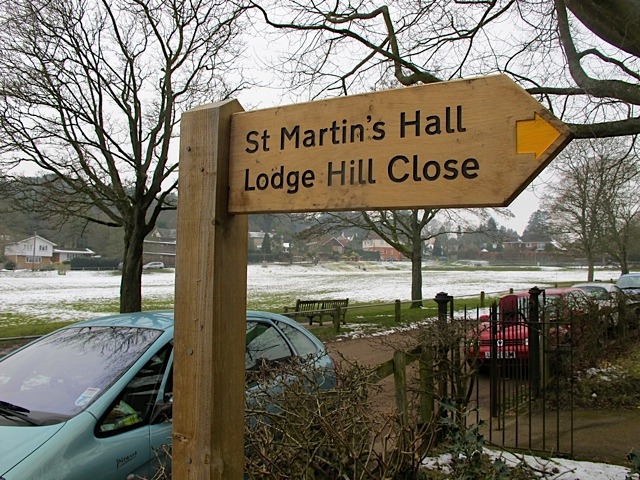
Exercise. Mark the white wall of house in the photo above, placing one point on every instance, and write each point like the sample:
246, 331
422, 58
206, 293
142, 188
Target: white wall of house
371, 243
30, 247
65, 255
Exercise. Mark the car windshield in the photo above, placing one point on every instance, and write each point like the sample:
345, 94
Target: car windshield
631, 281
595, 292
63, 373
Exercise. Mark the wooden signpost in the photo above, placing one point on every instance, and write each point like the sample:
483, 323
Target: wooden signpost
465, 143
210, 305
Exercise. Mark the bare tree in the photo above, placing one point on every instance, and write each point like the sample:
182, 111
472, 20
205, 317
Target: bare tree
585, 197
580, 57
90, 95
620, 212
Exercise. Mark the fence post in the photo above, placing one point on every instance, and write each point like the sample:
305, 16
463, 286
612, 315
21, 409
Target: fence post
482, 298
336, 319
398, 316
494, 398
426, 379
402, 403
442, 299
534, 339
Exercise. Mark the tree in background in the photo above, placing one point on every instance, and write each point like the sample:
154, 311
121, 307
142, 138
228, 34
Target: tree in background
621, 212
590, 177
579, 58
404, 230
90, 95
537, 228
266, 245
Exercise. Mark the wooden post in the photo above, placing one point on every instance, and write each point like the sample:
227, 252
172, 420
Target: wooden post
398, 310
402, 402
210, 305
427, 380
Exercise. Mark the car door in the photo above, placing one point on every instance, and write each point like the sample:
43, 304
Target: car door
132, 432
160, 427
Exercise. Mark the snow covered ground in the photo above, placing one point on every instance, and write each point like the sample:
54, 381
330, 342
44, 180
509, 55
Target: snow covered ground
54, 297
552, 468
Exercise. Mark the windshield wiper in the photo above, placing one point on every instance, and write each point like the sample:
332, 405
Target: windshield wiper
13, 408
8, 410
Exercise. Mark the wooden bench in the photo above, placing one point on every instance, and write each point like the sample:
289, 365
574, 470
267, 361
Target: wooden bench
310, 309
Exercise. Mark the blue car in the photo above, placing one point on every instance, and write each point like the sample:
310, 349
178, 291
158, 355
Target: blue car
93, 400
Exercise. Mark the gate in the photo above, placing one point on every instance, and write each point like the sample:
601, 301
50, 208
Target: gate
524, 380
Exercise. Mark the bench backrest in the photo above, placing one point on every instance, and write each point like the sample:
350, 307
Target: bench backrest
332, 304
311, 305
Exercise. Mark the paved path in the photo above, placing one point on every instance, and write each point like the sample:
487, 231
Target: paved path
599, 435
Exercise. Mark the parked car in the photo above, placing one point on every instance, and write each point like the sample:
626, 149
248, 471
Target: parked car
566, 303
629, 283
599, 291
609, 298
93, 400
153, 266
511, 334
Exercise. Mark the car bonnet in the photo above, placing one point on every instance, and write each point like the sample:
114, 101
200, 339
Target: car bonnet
17, 443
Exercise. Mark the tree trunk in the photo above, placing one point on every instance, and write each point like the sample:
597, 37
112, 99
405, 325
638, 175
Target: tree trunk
590, 267
131, 283
624, 267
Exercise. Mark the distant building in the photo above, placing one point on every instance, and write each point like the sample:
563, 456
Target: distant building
377, 244
255, 240
160, 246
37, 253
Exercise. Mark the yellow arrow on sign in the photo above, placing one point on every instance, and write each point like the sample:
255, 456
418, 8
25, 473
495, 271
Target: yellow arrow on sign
535, 136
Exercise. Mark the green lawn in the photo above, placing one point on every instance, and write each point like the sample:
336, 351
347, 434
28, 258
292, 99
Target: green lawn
363, 317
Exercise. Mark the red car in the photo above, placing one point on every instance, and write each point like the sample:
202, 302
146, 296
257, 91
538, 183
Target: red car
512, 329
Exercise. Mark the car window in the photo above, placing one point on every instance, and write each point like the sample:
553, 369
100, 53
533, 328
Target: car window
264, 342
630, 281
135, 404
301, 342
598, 293
65, 372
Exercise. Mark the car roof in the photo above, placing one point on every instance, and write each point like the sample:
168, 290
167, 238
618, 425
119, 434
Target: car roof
162, 319
547, 291
156, 319
634, 274
560, 291
605, 285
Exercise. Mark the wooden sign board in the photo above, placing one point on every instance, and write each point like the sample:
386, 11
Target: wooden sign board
465, 143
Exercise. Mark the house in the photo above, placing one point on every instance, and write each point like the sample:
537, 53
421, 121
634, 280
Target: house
255, 240
374, 243
39, 253
33, 252
160, 246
